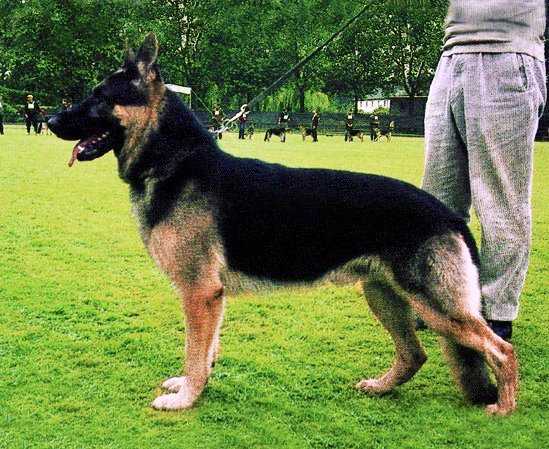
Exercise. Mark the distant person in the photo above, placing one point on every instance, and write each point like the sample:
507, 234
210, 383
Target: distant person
390, 130
349, 126
242, 123
284, 119
314, 125
66, 104
1, 117
32, 114
217, 120
374, 127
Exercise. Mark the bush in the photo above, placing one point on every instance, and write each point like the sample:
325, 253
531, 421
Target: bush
16, 96
381, 111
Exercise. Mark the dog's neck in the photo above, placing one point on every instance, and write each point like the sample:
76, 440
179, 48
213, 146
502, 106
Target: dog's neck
172, 147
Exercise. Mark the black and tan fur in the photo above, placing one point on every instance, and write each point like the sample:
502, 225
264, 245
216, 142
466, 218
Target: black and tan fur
384, 132
352, 133
305, 132
207, 218
250, 131
280, 132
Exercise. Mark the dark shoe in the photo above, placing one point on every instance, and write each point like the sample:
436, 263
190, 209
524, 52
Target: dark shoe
503, 329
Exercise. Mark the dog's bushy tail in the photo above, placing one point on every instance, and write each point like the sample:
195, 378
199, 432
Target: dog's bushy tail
470, 372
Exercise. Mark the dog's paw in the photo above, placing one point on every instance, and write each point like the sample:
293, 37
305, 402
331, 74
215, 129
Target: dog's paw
372, 386
498, 410
174, 384
174, 401
184, 398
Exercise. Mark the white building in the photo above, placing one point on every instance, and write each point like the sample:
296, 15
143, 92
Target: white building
370, 105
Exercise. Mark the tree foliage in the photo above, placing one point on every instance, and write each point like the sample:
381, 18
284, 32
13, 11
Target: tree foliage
226, 50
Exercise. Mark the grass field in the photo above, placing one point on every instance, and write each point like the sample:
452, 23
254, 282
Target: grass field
89, 328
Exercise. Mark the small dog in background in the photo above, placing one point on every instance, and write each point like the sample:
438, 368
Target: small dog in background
280, 132
350, 134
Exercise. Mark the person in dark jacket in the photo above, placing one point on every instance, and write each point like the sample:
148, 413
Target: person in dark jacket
374, 128
284, 119
32, 114
242, 123
349, 126
217, 120
314, 125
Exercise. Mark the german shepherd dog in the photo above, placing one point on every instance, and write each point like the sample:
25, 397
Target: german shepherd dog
384, 132
350, 134
207, 217
250, 131
305, 132
280, 132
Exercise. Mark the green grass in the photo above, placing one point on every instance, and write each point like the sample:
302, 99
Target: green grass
89, 328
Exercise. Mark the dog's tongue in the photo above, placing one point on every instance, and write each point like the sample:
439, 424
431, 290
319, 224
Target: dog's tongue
92, 147
78, 148
73, 155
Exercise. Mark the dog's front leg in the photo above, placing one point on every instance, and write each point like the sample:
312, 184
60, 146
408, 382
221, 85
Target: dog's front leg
203, 305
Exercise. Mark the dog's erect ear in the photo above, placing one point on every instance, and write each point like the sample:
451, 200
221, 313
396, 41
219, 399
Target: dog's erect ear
146, 56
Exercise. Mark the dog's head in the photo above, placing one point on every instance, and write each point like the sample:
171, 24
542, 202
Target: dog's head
118, 111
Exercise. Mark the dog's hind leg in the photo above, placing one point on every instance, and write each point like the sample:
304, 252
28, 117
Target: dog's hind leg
450, 305
473, 333
395, 315
470, 372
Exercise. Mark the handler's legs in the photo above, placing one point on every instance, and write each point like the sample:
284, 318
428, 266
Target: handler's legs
481, 120
503, 96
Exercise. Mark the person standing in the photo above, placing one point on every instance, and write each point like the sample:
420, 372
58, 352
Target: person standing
374, 127
480, 122
1, 117
242, 123
390, 130
217, 119
284, 119
32, 114
314, 125
66, 104
349, 126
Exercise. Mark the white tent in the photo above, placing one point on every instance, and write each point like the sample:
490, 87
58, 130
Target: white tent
181, 90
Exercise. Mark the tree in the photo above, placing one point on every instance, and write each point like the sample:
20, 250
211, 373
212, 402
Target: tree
410, 37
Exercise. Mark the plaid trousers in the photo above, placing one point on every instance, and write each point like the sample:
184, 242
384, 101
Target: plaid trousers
480, 122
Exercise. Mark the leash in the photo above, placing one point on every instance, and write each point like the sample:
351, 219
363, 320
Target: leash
281, 80
201, 101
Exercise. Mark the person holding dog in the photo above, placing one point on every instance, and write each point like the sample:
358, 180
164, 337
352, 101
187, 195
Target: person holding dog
32, 114
284, 119
314, 125
242, 123
217, 120
349, 126
374, 128
480, 122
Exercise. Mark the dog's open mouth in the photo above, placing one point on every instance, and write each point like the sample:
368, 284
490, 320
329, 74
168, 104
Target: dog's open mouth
92, 147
